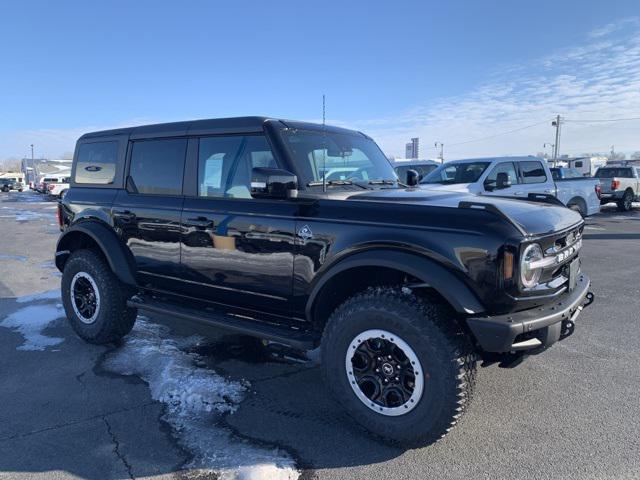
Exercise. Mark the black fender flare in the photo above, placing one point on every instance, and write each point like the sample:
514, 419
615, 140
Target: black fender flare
118, 256
428, 271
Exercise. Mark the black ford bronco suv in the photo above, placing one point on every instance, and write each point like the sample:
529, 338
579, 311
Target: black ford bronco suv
303, 235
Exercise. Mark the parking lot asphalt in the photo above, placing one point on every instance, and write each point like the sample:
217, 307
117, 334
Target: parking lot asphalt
165, 405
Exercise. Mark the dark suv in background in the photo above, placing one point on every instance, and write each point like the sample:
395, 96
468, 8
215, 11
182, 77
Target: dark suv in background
235, 224
10, 183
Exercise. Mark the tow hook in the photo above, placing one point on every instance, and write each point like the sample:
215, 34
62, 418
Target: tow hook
588, 301
568, 326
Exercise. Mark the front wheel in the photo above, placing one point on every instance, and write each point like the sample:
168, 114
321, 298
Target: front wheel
399, 365
94, 300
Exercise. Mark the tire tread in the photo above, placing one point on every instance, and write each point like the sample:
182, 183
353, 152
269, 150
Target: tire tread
432, 320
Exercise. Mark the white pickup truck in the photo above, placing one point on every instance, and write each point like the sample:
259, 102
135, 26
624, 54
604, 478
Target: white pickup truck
514, 177
56, 186
620, 184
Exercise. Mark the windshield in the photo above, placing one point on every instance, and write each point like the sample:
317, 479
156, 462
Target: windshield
342, 158
614, 172
452, 173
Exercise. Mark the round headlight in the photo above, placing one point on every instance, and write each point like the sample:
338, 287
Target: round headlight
530, 276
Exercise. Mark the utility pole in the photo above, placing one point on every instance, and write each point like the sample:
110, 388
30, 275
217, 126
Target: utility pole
556, 146
613, 152
32, 153
441, 155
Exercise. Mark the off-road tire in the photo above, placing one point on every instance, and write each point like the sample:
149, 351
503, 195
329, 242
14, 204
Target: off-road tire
625, 204
114, 319
5, 189
442, 347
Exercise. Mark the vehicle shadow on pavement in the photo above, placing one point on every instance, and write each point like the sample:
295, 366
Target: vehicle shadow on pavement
289, 406
64, 411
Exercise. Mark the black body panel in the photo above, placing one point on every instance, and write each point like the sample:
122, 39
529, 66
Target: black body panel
150, 227
237, 251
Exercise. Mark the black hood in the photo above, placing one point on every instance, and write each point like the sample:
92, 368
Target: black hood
534, 218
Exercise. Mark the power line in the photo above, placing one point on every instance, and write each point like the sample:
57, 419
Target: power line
602, 120
497, 134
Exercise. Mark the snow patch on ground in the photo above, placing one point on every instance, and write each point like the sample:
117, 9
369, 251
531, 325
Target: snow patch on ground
195, 398
49, 295
7, 256
30, 322
26, 215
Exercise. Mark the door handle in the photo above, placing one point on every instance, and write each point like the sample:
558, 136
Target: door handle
125, 215
200, 222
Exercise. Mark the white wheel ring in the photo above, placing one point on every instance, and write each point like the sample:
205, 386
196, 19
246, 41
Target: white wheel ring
418, 389
90, 279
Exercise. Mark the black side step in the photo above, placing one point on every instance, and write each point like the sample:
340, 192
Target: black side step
281, 334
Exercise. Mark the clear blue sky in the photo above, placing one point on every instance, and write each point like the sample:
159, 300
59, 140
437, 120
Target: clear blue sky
70, 64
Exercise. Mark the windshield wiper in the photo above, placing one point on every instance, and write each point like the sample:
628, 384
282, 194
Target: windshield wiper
335, 183
382, 182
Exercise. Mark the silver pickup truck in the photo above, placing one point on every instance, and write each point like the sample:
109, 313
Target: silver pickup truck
620, 185
515, 177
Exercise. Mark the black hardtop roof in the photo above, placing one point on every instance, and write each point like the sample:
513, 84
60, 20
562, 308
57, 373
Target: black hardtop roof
213, 125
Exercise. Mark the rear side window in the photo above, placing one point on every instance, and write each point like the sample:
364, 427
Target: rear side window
532, 172
157, 166
96, 162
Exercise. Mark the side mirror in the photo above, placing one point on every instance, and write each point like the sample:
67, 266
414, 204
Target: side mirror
502, 181
273, 183
413, 178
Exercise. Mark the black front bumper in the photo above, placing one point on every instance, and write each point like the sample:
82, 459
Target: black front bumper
534, 329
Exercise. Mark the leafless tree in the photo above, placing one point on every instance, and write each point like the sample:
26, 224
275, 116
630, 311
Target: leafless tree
10, 164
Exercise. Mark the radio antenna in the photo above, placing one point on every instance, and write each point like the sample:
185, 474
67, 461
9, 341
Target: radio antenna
324, 148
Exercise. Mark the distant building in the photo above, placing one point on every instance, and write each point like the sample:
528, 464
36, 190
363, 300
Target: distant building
412, 150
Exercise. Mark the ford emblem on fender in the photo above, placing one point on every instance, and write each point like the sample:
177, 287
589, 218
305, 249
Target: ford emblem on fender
93, 168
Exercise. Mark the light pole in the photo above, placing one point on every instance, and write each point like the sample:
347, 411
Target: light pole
32, 152
556, 146
441, 155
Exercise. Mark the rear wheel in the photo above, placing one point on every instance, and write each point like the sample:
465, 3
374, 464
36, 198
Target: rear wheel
398, 364
578, 206
94, 300
625, 204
